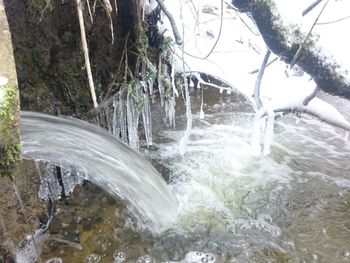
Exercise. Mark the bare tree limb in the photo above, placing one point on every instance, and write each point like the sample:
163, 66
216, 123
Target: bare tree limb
257, 97
176, 33
310, 97
327, 76
86, 52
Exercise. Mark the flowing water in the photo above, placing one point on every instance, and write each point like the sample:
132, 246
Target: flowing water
290, 206
95, 155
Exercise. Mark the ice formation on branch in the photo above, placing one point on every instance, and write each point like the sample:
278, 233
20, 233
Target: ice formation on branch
235, 55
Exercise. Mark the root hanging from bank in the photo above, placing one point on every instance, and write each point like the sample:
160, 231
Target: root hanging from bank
86, 53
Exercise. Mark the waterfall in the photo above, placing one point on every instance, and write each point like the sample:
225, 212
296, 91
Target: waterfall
82, 148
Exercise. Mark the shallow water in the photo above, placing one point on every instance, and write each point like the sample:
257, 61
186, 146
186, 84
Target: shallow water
290, 206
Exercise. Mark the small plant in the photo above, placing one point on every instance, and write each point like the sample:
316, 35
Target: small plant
9, 151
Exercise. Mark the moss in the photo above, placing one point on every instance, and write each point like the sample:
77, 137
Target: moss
41, 5
10, 149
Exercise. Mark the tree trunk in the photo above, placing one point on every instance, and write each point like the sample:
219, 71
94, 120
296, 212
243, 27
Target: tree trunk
9, 100
324, 71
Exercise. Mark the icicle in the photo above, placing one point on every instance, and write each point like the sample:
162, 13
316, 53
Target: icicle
119, 117
175, 91
108, 119
170, 110
192, 83
255, 143
49, 188
132, 115
71, 177
269, 130
123, 116
187, 132
186, 135
146, 116
201, 113
160, 84
115, 119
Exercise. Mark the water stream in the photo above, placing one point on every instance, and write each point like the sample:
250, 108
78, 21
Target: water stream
85, 150
290, 206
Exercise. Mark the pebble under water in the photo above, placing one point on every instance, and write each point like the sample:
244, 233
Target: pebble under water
290, 206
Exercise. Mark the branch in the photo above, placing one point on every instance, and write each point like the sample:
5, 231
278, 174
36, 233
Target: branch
86, 52
332, 22
176, 33
105, 104
310, 7
326, 75
296, 56
257, 97
310, 97
268, 64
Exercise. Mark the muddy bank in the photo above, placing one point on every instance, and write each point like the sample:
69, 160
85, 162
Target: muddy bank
47, 47
18, 221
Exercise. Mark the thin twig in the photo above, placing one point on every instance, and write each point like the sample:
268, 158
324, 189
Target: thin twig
332, 22
88, 5
296, 56
257, 97
86, 52
220, 30
176, 33
118, 68
268, 64
310, 7
106, 103
116, 7
108, 8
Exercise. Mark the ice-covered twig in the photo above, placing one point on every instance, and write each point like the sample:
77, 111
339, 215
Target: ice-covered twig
176, 33
257, 97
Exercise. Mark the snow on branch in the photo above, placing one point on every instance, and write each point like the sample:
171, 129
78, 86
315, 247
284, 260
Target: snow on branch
324, 70
176, 33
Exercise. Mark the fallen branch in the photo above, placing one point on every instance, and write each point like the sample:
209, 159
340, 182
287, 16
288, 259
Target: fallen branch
86, 52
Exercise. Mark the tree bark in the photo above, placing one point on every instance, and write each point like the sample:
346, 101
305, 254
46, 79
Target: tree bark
324, 70
9, 100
